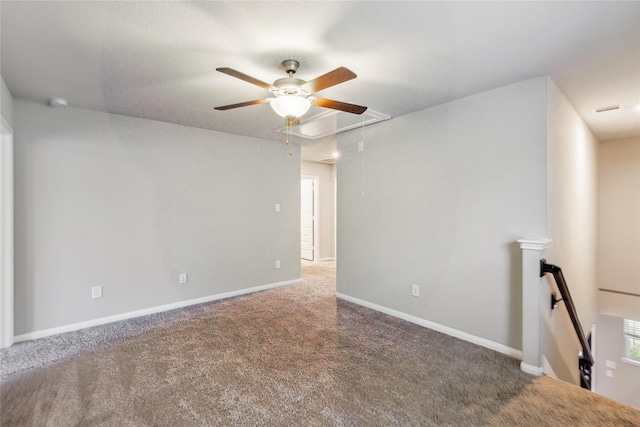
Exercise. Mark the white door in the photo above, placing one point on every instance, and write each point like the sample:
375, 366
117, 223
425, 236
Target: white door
307, 219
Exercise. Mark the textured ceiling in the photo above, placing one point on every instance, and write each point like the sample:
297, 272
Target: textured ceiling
157, 60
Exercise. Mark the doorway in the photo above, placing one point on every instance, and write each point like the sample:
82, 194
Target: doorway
308, 218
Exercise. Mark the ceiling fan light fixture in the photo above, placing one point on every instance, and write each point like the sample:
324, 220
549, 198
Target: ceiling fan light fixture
293, 97
290, 105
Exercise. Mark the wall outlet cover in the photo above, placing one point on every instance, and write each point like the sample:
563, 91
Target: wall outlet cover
183, 278
415, 290
96, 292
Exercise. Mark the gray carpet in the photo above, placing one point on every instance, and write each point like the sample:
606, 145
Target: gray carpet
288, 356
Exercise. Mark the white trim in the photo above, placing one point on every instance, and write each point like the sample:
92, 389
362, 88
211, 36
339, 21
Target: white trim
534, 244
6, 236
330, 258
316, 214
530, 369
630, 361
500, 348
334, 175
146, 311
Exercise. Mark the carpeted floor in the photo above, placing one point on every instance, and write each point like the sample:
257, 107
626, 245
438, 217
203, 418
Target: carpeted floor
288, 356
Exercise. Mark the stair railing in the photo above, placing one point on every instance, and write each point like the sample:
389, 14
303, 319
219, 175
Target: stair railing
586, 358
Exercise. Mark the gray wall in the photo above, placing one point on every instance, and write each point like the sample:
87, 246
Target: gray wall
572, 219
624, 383
327, 208
6, 104
447, 191
129, 204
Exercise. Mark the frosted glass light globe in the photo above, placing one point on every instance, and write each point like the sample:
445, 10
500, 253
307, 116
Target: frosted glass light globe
290, 105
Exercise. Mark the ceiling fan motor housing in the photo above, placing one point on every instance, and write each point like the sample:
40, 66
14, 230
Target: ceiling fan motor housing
289, 86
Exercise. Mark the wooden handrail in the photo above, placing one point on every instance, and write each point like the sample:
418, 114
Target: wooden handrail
571, 308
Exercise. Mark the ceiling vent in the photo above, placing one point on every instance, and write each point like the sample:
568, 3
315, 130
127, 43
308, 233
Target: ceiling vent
332, 122
609, 108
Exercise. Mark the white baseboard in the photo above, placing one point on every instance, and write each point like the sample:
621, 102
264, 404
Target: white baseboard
146, 311
530, 369
326, 259
500, 348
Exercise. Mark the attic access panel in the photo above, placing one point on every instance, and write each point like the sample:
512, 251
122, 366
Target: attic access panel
333, 122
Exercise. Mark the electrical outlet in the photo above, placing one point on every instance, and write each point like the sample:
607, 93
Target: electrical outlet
182, 279
415, 290
361, 146
277, 207
96, 292
277, 263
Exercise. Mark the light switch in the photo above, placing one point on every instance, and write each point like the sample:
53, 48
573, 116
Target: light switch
277, 207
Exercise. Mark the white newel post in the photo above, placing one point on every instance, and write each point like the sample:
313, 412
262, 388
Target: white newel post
532, 252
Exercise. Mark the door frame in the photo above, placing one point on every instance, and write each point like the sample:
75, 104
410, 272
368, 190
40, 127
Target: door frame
316, 217
6, 235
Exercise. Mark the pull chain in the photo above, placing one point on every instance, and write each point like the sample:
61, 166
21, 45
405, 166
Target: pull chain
289, 133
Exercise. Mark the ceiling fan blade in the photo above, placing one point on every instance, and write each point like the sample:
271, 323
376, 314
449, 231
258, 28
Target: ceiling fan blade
242, 104
246, 78
337, 105
332, 78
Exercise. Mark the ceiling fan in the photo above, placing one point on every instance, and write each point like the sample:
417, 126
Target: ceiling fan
294, 97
